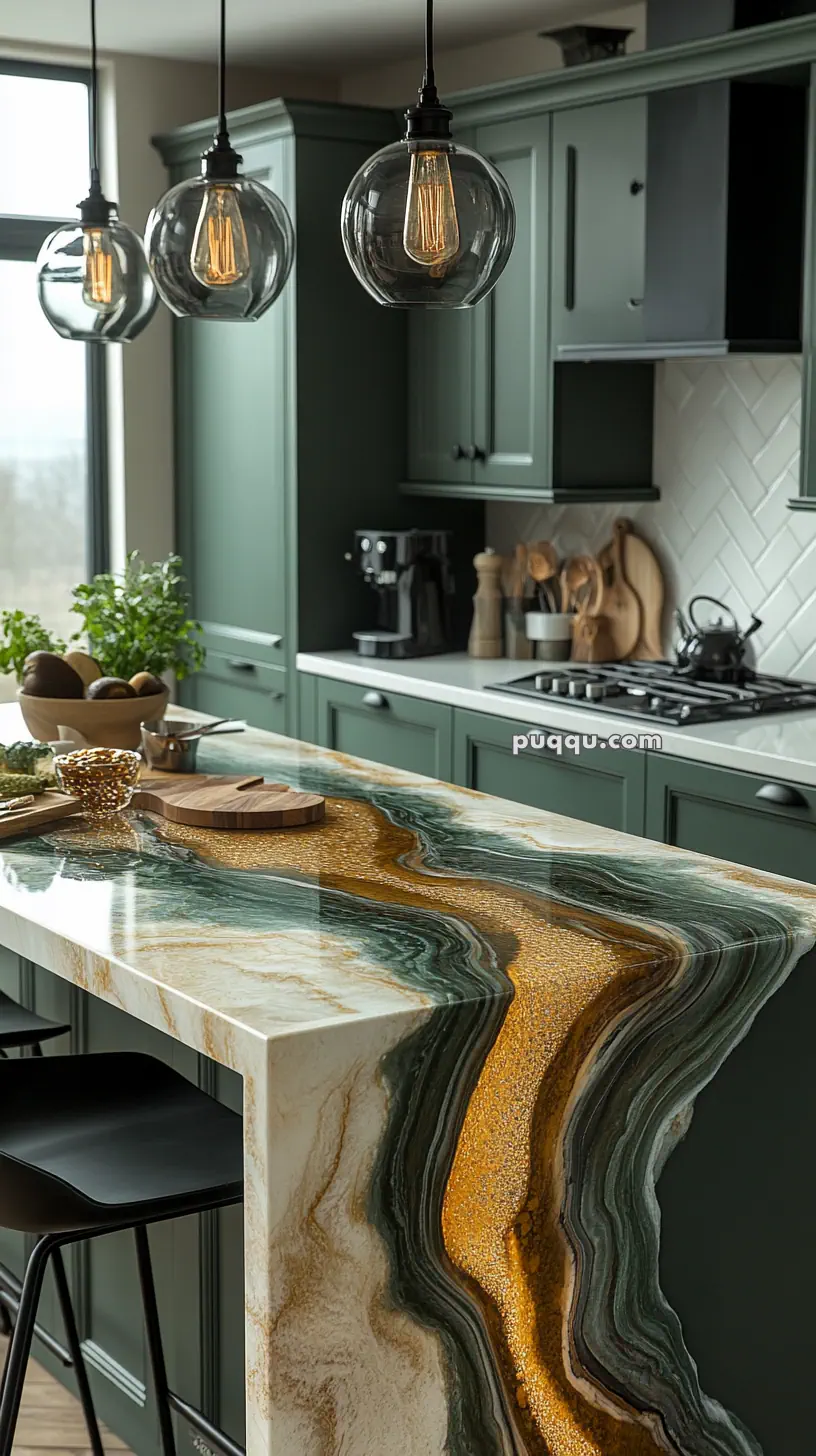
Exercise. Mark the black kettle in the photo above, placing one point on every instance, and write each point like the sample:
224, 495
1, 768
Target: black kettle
716, 650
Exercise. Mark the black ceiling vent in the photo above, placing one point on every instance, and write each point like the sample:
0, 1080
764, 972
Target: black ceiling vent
581, 44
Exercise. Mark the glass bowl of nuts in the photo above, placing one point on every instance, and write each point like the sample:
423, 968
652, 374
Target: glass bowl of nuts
103, 779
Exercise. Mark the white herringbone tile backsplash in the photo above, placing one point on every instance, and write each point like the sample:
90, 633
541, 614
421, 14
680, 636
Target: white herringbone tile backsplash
727, 443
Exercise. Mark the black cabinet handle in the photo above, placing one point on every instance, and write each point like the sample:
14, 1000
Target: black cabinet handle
635, 303
238, 665
375, 700
572, 210
475, 452
784, 795
637, 187
458, 453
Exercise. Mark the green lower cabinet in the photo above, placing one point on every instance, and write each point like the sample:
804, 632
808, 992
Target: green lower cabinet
198, 1262
403, 732
768, 824
599, 785
236, 686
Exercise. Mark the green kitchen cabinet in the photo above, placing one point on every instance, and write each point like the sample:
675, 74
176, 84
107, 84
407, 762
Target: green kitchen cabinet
602, 786
390, 728
235, 686
479, 378
290, 431
197, 1261
768, 824
599, 224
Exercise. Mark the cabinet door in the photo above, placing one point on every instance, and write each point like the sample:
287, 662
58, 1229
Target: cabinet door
598, 785
238, 687
511, 327
440, 391
231, 441
765, 823
599, 224
403, 732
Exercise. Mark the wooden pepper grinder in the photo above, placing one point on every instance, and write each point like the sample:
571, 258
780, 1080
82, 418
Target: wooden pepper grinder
486, 632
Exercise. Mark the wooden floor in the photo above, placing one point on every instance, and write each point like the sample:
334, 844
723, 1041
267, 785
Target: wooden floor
51, 1420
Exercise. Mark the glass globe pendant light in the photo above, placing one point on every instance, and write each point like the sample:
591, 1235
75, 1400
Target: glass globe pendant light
220, 246
92, 276
427, 221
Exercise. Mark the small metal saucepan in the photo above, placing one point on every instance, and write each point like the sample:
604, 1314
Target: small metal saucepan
171, 745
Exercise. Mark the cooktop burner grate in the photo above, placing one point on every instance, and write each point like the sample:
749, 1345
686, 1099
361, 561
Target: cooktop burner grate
660, 692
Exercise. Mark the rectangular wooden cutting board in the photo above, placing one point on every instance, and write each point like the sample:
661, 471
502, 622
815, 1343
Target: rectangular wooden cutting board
46, 809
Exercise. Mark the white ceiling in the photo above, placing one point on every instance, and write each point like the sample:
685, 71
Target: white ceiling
309, 34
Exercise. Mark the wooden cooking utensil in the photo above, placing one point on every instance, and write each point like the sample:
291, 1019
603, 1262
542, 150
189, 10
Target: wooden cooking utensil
542, 564
620, 605
46, 808
579, 584
227, 802
643, 573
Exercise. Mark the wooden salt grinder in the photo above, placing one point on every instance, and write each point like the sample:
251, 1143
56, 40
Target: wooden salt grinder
488, 604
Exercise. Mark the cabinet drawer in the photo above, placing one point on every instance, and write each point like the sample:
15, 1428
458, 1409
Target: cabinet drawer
599, 786
768, 824
240, 687
403, 732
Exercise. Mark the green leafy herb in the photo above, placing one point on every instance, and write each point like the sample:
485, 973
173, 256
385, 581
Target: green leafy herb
25, 758
139, 622
21, 634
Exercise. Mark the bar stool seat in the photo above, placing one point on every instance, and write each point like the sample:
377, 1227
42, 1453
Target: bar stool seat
109, 1138
96, 1143
22, 1028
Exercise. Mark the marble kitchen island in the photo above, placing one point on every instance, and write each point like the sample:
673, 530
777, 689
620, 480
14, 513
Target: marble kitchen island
469, 1034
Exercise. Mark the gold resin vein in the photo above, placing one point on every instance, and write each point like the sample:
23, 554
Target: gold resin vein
501, 1213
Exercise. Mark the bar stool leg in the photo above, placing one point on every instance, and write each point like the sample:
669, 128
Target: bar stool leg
20, 1347
69, 1320
154, 1342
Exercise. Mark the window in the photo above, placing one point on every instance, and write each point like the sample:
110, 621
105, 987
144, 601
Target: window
52, 479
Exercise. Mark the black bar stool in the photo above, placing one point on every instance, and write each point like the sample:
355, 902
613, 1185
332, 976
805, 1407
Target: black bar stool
23, 1030
95, 1144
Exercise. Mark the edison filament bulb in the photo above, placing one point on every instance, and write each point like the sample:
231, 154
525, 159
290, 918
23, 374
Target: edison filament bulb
431, 233
220, 254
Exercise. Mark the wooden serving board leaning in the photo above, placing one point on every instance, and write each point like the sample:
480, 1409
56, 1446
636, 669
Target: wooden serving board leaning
228, 802
45, 810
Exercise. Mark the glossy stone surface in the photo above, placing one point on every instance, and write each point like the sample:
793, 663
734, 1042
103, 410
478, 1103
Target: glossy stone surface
470, 1035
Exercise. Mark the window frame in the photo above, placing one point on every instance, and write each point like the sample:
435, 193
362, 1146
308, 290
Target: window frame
20, 241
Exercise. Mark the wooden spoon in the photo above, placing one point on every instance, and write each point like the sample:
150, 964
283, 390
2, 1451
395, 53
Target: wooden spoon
577, 575
620, 605
542, 564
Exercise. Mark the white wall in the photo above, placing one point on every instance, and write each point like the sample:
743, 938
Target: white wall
727, 446
504, 59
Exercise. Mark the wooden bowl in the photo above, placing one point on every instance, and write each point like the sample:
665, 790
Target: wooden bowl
115, 723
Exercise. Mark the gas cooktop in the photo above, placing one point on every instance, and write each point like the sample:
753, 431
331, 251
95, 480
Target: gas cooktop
660, 692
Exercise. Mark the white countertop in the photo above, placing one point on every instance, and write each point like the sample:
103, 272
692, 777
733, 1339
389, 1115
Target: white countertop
781, 746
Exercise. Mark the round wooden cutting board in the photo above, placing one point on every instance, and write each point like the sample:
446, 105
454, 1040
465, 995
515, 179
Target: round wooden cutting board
210, 802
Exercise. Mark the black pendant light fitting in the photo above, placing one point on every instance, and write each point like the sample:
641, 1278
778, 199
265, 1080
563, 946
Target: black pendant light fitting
93, 280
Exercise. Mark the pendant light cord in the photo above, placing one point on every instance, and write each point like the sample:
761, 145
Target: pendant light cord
94, 101
222, 75
429, 79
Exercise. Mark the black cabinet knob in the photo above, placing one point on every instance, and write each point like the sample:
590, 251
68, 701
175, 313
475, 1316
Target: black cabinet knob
785, 796
375, 700
458, 453
475, 452
637, 187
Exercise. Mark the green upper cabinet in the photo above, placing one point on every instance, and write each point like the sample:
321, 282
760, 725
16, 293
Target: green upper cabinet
511, 328
599, 224
479, 378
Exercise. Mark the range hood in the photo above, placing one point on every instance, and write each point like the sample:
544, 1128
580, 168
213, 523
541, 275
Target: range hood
725, 218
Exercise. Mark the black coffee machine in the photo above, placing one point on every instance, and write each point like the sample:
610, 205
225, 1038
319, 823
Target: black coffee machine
411, 575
